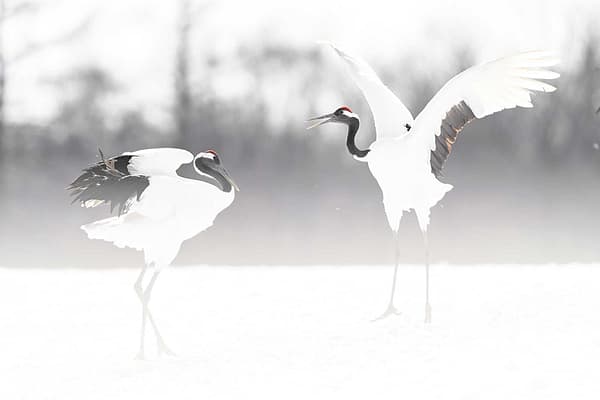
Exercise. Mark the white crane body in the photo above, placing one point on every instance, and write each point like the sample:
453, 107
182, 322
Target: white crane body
170, 211
405, 178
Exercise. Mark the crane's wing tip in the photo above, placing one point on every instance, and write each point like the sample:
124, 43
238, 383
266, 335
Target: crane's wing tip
330, 44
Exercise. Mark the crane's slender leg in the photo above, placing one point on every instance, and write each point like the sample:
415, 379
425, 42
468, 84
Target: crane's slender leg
144, 296
140, 292
427, 304
162, 346
391, 310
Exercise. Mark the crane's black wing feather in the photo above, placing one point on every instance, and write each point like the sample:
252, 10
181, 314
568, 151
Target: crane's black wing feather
109, 182
455, 120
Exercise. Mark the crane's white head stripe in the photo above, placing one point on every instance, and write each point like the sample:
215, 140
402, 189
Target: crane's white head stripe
210, 155
349, 114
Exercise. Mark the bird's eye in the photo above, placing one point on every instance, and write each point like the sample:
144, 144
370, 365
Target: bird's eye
407, 126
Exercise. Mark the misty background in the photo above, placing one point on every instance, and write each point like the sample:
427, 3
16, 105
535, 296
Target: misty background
76, 76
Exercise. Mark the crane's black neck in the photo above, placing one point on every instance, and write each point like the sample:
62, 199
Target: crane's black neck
353, 125
204, 167
225, 185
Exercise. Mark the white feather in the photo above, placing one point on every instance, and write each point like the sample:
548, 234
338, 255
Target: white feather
159, 161
389, 113
170, 211
488, 88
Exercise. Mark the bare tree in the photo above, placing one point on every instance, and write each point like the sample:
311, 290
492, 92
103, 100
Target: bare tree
183, 96
2, 80
8, 13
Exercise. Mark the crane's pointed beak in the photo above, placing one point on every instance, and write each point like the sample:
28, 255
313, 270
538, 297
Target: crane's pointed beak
228, 177
323, 119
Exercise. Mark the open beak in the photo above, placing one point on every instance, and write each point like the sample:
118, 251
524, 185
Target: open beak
226, 175
323, 119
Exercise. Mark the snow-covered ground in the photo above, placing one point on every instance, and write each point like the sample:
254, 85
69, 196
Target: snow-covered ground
498, 332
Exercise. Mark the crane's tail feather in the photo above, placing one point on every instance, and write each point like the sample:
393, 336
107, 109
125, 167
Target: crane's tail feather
115, 231
436, 194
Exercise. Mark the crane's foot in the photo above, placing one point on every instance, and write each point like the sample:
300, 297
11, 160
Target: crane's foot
427, 313
163, 349
391, 310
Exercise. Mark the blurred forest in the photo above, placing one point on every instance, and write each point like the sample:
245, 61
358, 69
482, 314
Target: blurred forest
526, 181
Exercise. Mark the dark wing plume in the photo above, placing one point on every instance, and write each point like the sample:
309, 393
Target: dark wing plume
477, 92
455, 120
109, 182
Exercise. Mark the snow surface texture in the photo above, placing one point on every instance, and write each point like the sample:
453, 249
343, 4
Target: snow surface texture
498, 332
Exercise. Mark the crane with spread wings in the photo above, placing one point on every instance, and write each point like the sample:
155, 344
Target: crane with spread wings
408, 155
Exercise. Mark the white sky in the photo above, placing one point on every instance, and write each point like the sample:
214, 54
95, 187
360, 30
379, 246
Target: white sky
134, 39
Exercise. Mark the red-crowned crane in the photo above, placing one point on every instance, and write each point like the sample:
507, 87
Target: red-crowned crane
408, 154
157, 209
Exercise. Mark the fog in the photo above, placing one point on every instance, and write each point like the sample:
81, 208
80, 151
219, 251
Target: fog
86, 75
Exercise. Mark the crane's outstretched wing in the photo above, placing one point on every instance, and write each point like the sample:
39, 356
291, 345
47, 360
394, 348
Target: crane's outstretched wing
391, 116
120, 181
477, 92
